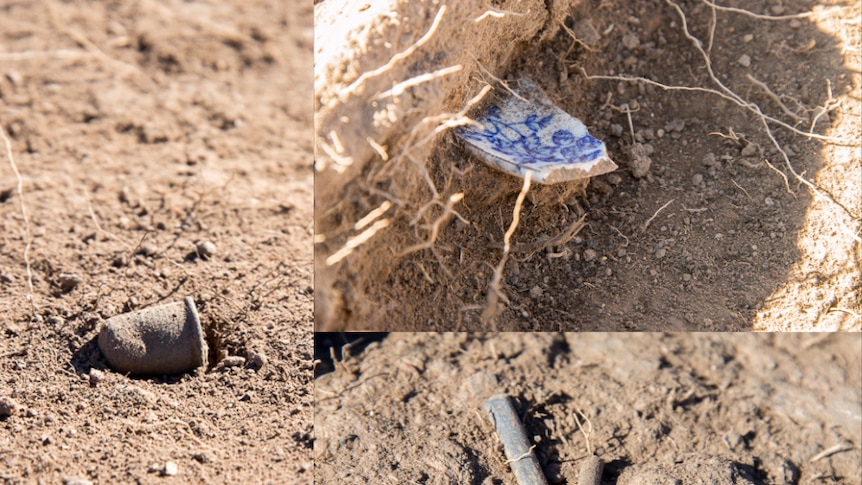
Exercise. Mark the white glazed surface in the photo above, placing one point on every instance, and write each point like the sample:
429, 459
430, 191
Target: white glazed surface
527, 133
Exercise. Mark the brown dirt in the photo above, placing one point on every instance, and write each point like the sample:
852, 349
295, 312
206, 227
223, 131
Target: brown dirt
721, 408
139, 129
733, 247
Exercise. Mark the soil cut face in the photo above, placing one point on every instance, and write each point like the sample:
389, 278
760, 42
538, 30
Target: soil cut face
706, 225
164, 150
723, 408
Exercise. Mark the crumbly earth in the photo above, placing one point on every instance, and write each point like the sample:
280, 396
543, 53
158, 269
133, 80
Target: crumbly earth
704, 227
164, 150
719, 408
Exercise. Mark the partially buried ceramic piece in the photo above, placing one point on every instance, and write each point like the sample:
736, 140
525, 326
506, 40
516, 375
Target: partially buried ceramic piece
527, 133
166, 339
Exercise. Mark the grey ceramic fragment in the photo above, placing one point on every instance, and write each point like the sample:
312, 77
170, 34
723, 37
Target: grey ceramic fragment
165, 339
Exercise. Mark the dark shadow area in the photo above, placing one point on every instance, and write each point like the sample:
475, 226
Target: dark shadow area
89, 357
558, 350
613, 469
333, 347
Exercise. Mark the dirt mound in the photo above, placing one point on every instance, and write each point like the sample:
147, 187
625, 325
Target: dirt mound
736, 207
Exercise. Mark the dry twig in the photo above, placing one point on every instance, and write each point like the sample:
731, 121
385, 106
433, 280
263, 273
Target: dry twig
494, 292
840, 447
585, 433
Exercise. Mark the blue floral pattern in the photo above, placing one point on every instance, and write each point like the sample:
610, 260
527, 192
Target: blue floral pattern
526, 142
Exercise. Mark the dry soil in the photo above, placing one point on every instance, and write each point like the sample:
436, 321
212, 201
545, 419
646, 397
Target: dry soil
685, 408
138, 130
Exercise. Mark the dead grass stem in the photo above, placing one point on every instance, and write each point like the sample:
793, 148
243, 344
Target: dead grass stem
28, 237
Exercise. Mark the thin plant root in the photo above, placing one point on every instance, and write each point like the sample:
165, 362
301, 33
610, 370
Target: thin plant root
647, 223
360, 82
581, 428
728, 94
556, 241
495, 294
435, 226
357, 241
27, 235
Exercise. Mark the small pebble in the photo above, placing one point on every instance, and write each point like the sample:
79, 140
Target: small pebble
709, 159
202, 457
744, 60
96, 376
777, 9
747, 38
7, 407
170, 469
233, 361
68, 281
148, 250
750, 150
590, 255
661, 253
631, 41
795, 24
676, 125
119, 261
205, 249
640, 161
257, 359
536, 292
107, 311
697, 179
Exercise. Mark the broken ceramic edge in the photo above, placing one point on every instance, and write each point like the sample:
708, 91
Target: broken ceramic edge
527, 133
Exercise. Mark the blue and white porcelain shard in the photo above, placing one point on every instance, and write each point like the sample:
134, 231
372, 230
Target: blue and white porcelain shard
527, 133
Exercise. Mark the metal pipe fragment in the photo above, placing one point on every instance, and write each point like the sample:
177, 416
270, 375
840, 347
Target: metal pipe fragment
515, 443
